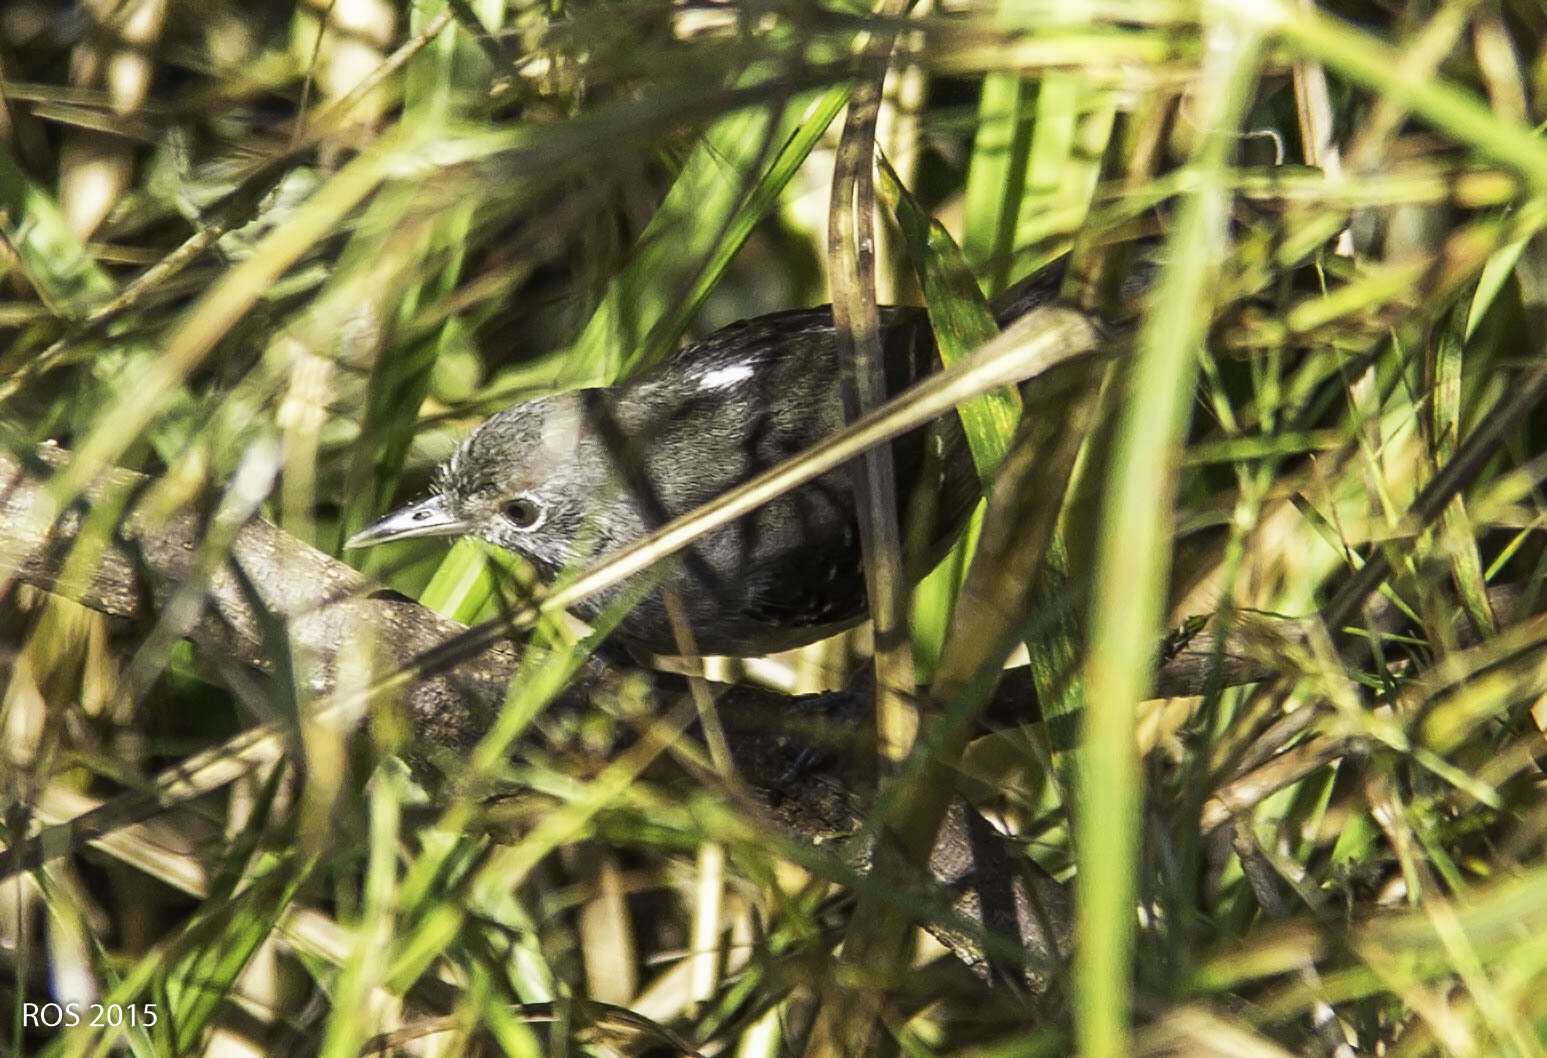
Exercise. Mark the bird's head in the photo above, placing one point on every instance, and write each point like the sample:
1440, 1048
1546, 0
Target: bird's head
529, 480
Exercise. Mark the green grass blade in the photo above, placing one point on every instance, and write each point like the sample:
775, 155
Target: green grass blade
729, 182
1133, 558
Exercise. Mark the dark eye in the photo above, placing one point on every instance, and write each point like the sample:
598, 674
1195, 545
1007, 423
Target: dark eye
523, 512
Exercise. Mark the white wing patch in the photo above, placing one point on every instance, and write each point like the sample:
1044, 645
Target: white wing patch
721, 377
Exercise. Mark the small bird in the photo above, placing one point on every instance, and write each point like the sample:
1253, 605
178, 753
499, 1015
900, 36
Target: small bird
565, 479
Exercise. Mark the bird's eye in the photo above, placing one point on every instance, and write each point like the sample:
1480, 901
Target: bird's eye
523, 512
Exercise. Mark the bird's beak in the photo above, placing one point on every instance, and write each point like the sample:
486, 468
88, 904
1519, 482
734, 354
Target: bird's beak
429, 517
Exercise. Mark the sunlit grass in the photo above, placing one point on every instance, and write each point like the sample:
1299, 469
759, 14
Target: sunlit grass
279, 268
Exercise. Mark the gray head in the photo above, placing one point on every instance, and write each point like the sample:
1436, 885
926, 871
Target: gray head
532, 480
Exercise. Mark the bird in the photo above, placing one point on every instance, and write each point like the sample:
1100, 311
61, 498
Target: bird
562, 480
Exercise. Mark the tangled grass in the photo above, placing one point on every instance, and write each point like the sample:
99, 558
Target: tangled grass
277, 258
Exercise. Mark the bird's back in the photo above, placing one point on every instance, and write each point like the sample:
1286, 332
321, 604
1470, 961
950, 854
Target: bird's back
742, 400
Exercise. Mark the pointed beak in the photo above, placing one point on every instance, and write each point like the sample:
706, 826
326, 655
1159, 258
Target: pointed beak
429, 517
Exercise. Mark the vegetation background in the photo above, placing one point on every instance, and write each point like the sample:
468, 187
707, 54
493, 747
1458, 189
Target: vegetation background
279, 257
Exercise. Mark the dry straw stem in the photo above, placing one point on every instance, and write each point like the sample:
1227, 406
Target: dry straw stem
851, 251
